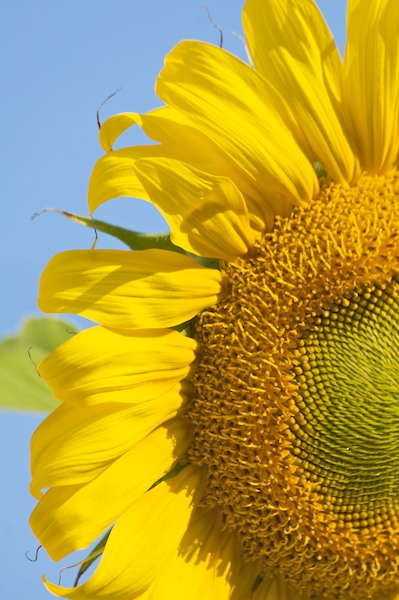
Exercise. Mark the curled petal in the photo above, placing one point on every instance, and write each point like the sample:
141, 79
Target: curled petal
178, 138
207, 214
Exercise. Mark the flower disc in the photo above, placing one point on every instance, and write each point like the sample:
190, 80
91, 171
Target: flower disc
296, 407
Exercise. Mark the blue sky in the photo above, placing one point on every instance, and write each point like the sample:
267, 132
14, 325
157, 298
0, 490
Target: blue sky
60, 60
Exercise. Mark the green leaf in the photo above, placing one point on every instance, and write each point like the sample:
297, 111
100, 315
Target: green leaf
135, 240
20, 384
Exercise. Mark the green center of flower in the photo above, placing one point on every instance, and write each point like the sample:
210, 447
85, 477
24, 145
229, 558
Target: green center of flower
348, 380
296, 402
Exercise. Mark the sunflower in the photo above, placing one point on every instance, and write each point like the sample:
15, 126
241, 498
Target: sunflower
231, 425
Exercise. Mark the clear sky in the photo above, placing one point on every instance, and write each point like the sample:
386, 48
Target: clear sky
60, 60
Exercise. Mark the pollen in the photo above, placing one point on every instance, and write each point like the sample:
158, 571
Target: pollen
296, 397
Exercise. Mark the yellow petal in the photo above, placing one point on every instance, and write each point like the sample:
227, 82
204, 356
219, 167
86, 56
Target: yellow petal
142, 540
240, 112
207, 215
293, 49
372, 80
160, 125
71, 517
114, 126
76, 443
128, 290
203, 565
98, 365
114, 176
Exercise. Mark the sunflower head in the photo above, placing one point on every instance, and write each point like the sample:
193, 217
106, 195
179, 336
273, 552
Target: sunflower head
296, 407
234, 416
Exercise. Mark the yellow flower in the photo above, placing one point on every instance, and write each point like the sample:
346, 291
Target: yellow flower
257, 456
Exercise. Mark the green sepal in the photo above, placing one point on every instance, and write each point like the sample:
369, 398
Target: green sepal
170, 474
186, 328
20, 383
321, 172
133, 239
136, 240
94, 554
256, 584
